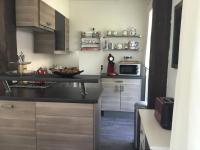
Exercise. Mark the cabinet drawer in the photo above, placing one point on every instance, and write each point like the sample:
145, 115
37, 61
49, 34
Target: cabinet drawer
60, 109
17, 110
17, 126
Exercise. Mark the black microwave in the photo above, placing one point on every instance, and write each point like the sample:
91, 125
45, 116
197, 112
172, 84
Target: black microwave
129, 69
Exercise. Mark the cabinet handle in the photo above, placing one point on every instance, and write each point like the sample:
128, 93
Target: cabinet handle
7, 106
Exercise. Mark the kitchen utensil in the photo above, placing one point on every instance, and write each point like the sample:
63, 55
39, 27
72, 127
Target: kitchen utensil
125, 46
109, 33
119, 46
133, 45
111, 66
132, 32
110, 46
41, 71
125, 33
114, 33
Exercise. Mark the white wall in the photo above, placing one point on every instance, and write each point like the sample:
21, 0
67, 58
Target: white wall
25, 39
172, 73
61, 5
25, 43
104, 15
186, 120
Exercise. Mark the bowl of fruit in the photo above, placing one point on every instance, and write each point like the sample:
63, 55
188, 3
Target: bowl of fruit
66, 72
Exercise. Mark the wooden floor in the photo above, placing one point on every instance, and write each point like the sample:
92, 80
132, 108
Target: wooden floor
117, 131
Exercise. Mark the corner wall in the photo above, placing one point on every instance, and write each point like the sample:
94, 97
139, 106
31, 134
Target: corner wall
172, 72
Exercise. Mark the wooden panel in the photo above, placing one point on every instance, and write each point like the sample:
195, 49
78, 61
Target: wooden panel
110, 103
65, 126
44, 42
17, 126
27, 13
47, 16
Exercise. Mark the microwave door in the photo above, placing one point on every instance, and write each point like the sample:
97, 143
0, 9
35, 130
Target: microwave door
129, 70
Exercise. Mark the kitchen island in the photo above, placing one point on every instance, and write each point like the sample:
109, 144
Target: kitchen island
56, 118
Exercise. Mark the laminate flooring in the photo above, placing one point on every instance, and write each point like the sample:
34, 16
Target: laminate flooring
117, 131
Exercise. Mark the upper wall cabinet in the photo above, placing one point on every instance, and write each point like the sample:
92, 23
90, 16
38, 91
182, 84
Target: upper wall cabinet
53, 42
61, 34
35, 14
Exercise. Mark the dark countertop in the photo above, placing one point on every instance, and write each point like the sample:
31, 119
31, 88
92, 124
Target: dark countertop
51, 77
56, 93
104, 75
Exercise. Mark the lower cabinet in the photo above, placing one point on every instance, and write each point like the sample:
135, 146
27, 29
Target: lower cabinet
120, 94
110, 98
48, 126
64, 127
17, 126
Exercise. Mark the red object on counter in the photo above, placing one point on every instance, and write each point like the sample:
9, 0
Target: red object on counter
111, 66
41, 71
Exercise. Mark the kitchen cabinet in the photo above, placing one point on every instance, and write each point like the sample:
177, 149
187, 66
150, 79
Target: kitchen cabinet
17, 126
130, 94
120, 94
61, 34
64, 126
110, 97
44, 42
35, 14
56, 42
48, 126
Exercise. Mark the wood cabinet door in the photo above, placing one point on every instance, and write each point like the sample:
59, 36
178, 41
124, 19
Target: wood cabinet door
110, 97
17, 126
130, 94
47, 16
27, 13
44, 42
65, 126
